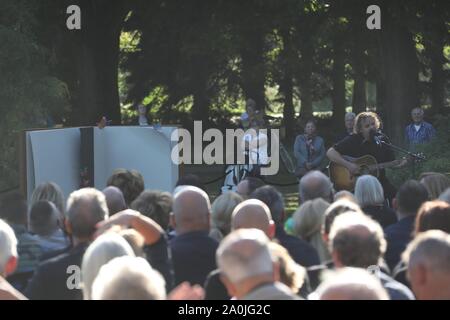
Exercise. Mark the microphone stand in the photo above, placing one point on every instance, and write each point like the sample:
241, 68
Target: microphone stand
415, 156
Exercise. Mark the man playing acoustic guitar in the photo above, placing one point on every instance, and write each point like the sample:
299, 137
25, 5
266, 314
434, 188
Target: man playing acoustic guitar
365, 142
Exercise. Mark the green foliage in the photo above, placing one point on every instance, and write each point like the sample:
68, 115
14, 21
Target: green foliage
29, 95
437, 154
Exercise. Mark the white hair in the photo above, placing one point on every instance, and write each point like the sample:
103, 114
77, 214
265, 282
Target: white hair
243, 254
8, 245
350, 115
350, 284
368, 191
430, 249
128, 278
105, 248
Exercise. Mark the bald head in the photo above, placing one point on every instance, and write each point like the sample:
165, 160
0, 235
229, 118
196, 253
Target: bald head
315, 185
253, 213
114, 199
191, 210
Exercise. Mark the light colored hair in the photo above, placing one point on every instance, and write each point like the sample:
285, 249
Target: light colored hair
435, 183
350, 115
353, 247
105, 248
8, 245
314, 185
368, 191
291, 274
308, 222
221, 211
350, 284
244, 254
337, 208
361, 117
128, 278
85, 208
49, 191
430, 249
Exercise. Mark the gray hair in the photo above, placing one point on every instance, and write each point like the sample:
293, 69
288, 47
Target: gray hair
314, 185
357, 239
49, 191
430, 249
243, 254
8, 245
105, 248
350, 284
85, 208
308, 223
368, 191
128, 278
222, 209
350, 115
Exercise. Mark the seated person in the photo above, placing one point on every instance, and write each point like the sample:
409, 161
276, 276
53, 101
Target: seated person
309, 150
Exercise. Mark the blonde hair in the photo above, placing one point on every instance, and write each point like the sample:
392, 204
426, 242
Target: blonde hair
221, 211
368, 191
291, 273
361, 117
308, 223
435, 183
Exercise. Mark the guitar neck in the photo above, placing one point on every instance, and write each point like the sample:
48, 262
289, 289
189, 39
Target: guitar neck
384, 165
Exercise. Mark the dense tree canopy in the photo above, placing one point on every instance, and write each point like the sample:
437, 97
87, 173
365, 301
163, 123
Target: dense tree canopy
200, 59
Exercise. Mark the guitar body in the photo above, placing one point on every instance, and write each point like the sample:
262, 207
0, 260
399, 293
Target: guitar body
344, 180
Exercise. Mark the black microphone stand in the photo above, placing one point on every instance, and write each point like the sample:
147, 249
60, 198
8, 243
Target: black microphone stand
415, 156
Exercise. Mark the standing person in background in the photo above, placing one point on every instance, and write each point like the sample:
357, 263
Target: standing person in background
349, 124
309, 150
419, 131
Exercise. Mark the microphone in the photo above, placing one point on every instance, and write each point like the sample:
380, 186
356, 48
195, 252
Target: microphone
376, 135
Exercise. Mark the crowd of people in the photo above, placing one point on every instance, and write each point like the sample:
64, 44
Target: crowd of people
125, 242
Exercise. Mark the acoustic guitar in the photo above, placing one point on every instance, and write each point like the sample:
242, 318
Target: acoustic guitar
343, 179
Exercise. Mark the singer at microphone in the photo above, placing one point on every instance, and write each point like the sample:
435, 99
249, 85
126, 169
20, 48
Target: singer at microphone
366, 139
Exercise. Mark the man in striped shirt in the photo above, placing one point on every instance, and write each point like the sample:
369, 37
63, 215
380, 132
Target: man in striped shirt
419, 131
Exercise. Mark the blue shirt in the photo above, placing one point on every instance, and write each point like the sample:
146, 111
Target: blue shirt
425, 133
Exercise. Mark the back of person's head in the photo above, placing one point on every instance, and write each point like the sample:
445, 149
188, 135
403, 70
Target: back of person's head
291, 274
445, 196
13, 208
8, 248
190, 180
85, 208
253, 213
314, 185
103, 249
253, 183
273, 199
128, 278
410, 196
350, 284
337, 208
344, 194
368, 191
244, 254
356, 241
191, 210
308, 222
130, 182
49, 191
156, 205
114, 200
433, 215
435, 183
428, 261
222, 209
43, 218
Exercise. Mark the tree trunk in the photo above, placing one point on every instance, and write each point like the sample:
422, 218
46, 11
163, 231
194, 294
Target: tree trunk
435, 53
307, 51
359, 87
400, 75
338, 78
